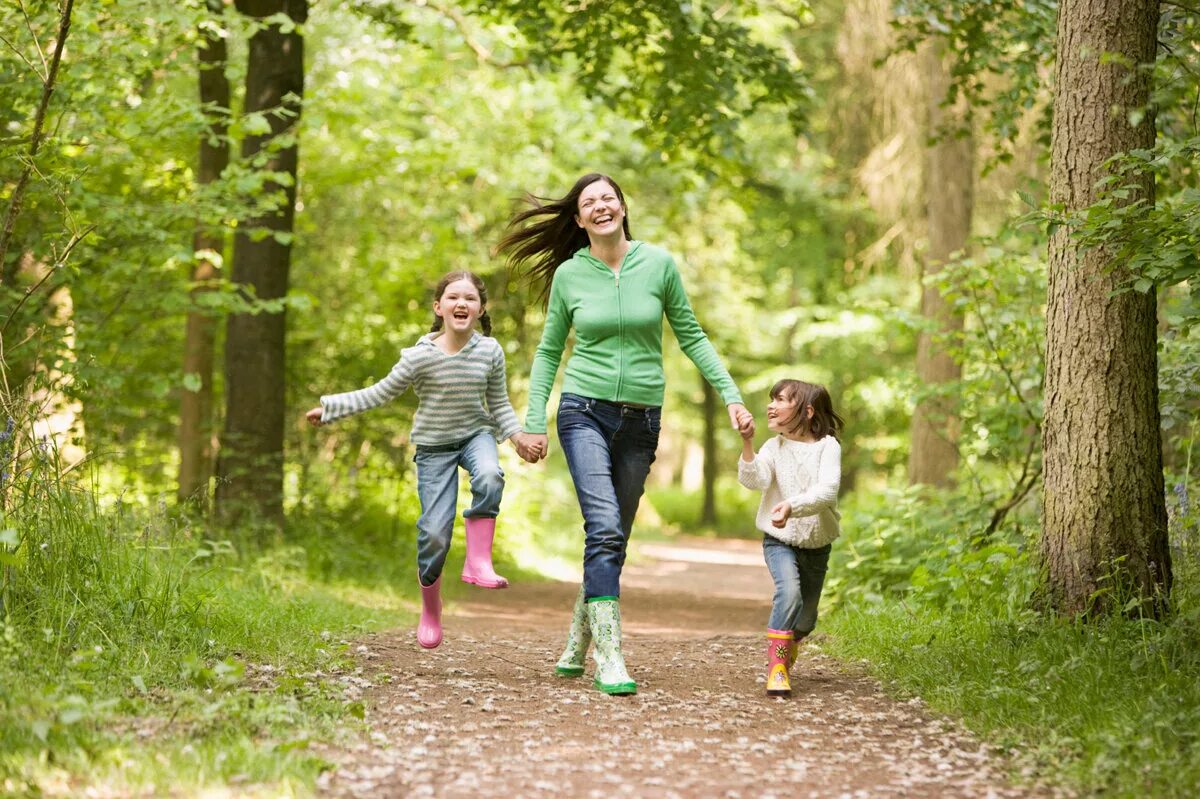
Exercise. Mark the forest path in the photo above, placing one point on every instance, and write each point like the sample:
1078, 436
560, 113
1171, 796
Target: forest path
484, 714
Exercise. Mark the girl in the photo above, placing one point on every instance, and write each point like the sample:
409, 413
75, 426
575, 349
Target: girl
463, 410
799, 472
614, 292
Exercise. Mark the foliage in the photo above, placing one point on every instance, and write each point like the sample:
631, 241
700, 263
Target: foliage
140, 652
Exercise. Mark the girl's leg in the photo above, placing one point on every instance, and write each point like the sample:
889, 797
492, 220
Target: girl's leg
482, 462
437, 488
781, 562
812, 565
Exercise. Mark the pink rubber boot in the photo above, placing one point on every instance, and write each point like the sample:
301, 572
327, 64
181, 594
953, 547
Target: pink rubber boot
778, 644
429, 628
477, 569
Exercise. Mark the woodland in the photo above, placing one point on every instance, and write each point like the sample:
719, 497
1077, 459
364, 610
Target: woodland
977, 223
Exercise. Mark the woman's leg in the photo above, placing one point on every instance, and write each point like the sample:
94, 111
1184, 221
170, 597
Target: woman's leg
584, 431
633, 449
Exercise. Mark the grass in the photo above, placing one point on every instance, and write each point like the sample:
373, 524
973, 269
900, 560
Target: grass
1111, 708
138, 655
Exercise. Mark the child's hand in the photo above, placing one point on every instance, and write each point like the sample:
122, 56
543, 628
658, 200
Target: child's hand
530, 447
740, 418
314, 416
780, 514
748, 433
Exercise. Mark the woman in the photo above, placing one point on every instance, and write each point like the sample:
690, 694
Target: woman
614, 292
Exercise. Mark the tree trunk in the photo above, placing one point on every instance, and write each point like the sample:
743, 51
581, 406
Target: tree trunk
949, 192
195, 405
1105, 536
708, 513
251, 459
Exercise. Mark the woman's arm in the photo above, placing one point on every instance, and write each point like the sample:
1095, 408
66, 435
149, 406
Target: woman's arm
547, 358
692, 339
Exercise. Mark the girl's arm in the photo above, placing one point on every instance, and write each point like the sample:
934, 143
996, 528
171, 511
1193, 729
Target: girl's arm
546, 360
823, 494
757, 473
497, 397
338, 406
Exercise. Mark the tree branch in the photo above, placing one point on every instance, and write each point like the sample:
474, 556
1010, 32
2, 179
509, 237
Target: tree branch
35, 141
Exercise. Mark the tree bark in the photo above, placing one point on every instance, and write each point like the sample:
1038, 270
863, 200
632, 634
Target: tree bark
1105, 534
950, 194
250, 487
195, 406
708, 512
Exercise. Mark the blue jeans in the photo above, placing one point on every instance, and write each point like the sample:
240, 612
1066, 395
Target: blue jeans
609, 449
437, 488
799, 575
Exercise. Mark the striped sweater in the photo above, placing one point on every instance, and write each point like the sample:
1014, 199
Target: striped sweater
459, 395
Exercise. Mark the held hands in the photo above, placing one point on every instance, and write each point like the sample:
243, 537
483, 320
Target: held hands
741, 419
314, 416
532, 447
780, 514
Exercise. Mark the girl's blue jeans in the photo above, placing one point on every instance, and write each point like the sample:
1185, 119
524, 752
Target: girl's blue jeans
437, 488
799, 575
609, 448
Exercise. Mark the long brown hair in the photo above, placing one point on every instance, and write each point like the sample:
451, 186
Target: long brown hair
538, 249
485, 321
824, 421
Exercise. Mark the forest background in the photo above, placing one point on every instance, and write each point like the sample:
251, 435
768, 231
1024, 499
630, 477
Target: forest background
214, 212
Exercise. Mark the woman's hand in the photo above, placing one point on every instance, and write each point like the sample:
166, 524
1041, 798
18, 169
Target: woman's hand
741, 419
531, 447
314, 416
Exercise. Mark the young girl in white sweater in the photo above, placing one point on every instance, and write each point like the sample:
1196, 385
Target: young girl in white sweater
799, 472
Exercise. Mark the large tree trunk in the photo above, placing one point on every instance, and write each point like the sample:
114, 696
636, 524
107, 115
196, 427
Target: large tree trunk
949, 192
1105, 536
251, 459
195, 405
708, 512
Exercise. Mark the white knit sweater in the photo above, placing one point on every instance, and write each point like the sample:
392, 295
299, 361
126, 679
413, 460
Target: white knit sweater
805, 474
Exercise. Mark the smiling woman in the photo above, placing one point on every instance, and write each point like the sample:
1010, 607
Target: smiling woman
613, 292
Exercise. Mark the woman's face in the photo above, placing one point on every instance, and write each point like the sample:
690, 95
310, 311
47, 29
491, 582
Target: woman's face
459, 306
600, 213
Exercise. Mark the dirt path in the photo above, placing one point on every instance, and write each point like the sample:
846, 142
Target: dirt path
484, 716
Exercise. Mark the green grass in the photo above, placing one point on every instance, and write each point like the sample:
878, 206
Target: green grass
1112, 708
138, 654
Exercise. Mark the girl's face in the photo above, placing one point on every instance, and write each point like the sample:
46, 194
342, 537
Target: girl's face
600, 210
459, 306
781, 413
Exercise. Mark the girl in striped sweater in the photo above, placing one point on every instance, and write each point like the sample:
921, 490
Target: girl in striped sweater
459, 378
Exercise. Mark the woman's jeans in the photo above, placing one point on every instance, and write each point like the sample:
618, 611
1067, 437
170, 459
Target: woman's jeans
799, 575
437, 488
609, 449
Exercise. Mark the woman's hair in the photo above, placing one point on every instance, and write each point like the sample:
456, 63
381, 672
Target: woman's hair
485, 321
539, 248
824, 421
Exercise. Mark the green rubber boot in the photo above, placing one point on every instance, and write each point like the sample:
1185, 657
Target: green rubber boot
604, 619
578, 639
